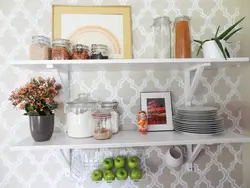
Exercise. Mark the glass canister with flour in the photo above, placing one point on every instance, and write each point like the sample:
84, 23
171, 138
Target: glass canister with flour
80, 121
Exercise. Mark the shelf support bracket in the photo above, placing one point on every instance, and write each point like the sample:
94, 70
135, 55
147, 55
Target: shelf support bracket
190, 87
65, 82
66, 155
192, 154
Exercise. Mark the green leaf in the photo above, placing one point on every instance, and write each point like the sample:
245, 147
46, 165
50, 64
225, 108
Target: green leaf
221, 48
225, 33
231, 34
217, 32
227, 52
198, 41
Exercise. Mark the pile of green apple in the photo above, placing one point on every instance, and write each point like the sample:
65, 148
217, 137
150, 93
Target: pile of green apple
120, 173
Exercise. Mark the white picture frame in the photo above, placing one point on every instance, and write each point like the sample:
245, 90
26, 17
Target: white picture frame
158, 107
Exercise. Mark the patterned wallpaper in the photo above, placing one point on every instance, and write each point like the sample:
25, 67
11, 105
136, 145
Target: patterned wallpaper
217, 166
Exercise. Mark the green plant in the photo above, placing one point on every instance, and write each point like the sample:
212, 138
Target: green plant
226, 35
37, 96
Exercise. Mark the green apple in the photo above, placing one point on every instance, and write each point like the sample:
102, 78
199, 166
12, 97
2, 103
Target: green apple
108, 163
97, 175
109, 175
120, 162
133, 162
136, 174
121, 174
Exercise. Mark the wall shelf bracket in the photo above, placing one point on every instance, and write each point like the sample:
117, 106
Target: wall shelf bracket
192, 154
66, 156
191, 86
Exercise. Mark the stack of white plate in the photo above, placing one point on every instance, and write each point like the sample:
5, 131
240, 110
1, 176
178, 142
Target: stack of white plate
198, 120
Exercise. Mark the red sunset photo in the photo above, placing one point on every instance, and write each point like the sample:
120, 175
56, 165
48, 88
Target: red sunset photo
156, 109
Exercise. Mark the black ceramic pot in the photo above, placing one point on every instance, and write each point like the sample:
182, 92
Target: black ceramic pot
41, 127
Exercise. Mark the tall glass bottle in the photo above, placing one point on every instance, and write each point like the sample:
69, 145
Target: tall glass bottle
162, 37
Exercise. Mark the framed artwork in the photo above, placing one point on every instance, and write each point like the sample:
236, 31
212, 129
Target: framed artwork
108, 25
159, 110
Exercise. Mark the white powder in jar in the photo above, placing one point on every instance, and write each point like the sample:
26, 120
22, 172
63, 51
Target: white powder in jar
80, 125
115, 121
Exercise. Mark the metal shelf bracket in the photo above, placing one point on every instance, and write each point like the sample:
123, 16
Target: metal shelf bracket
191, 86
192, 154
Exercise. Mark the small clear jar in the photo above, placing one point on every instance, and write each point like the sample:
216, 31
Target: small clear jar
112, 107
61, 49
162, 37
40, 49
99, 51
80, 52
103, 126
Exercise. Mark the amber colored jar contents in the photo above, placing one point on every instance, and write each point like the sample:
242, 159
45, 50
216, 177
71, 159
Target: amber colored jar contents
80, 52
60, 50
182, 38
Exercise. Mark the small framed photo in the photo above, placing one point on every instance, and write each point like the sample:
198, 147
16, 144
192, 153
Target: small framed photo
159, 110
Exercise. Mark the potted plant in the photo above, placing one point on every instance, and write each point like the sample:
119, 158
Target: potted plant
216, 47
37, 98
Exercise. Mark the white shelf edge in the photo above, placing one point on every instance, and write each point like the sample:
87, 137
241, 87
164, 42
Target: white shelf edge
176, 139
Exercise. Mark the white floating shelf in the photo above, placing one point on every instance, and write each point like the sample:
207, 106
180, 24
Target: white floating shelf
128, 64
130, 139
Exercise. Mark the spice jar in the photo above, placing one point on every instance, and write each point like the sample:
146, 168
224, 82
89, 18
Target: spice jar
182, 37
99, 51
112, 108
61, 49
80, 52
40, 48
162, 37
103, 126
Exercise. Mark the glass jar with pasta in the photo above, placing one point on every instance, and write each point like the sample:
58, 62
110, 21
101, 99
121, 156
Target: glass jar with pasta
61, 49
182, 37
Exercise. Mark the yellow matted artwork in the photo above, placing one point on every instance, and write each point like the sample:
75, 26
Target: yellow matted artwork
109, 25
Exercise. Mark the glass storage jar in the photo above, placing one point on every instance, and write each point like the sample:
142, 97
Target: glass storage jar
61, 49
103, 125
112, 108
182, 37
79, 117
40, 48
99, 51
80, 52
162, 37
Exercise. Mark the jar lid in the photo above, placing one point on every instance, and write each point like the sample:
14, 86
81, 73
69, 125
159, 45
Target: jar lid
82, 101
106, 104
161, 20
61, 42
80, 46
40, 39
94, 46
182, 18
102, 115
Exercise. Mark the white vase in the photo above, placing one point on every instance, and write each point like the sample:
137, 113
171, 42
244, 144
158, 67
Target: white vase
212, 50
174, 157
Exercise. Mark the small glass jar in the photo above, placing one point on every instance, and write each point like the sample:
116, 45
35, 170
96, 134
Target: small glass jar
183, 47
40, 48
99, 51
80, 52
112, 108
61, 49
103, 126
162, 37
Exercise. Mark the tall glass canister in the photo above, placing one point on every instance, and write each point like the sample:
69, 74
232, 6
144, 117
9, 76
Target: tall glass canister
162, 37
183, 47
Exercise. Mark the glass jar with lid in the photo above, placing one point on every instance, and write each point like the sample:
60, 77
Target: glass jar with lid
103, 125
112, 107
162, 37
99, 51
79, 117
61, 49
40, 49
183, 47
80, 52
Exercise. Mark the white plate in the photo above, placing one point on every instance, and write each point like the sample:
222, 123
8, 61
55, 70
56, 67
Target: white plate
191, 134
178, 118
197, 109
198, 123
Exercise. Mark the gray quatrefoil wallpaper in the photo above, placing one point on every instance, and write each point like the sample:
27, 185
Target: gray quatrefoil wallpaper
218, 166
